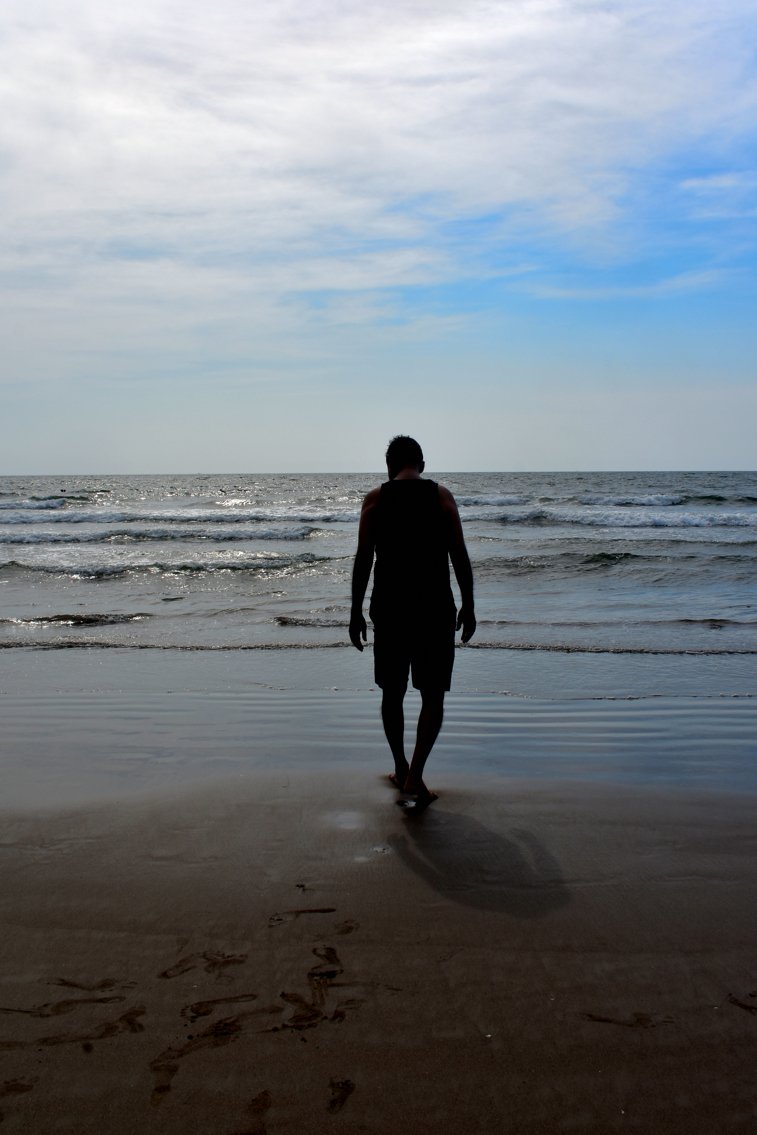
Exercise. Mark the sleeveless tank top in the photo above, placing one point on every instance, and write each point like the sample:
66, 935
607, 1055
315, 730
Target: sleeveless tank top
411, 572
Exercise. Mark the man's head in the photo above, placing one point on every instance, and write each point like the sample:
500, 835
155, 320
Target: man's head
403, 453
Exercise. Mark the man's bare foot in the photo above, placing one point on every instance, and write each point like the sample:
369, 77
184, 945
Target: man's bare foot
399, 776
417, 801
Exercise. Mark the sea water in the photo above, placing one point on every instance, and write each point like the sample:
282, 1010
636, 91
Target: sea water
148, 624
646, 563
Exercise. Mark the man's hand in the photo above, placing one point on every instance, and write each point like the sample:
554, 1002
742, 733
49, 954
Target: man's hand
358, 630
466, 620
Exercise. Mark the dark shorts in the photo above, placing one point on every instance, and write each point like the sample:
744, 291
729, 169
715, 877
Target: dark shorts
424, 648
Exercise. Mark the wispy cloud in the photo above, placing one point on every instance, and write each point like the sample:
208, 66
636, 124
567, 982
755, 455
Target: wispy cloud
682, 284
725, 195
278, 121
170, 165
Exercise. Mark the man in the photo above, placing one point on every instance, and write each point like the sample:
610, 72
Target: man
413, 528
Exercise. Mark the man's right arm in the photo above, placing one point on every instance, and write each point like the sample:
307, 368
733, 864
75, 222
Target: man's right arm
461, 565
361, 571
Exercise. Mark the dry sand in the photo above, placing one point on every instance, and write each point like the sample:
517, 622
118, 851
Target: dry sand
287, 953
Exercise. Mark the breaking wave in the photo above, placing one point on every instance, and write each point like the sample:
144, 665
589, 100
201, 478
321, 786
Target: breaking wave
574, 648
182, 516
158, 534
543, 517
33, 503
91, 620
263, 564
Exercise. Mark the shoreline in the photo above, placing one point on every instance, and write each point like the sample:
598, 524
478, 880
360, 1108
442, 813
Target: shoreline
290, 951
97, 725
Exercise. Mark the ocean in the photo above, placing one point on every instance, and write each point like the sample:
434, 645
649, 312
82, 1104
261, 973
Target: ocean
613, 562
590, 588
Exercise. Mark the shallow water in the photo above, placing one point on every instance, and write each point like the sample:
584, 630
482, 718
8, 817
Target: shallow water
103, 724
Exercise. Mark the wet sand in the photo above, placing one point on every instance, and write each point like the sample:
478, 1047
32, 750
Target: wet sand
288, 952
214, 919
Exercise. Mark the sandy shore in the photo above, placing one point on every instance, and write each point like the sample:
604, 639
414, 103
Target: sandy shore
287, 953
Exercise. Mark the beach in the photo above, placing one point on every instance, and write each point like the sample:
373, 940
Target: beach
214, 918
250, 883
252, 937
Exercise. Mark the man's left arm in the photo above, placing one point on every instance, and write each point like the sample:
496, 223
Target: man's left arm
361, 570
461, 565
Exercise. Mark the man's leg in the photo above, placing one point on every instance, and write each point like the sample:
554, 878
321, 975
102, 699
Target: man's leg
429, 723
391, 662
393, 718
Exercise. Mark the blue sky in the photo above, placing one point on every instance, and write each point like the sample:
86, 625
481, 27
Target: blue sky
269, 236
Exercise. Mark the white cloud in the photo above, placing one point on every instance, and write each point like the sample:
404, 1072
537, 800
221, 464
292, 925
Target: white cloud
279, 121
175, 173
725, 195
666, 286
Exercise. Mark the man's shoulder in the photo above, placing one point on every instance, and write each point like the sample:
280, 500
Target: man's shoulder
371, 498
445, 496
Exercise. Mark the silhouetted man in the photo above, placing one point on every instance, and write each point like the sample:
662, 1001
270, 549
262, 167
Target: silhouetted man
413, 528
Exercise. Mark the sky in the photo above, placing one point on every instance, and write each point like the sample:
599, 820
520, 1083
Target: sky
264, 235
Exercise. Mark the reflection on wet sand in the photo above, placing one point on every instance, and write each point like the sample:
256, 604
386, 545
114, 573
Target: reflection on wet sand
473, 865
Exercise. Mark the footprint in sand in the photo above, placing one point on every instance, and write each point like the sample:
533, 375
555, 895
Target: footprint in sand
330, 966
166, 1065
257, 1110
305, 1016
321, 980
205, 1008
128, 1022
210, 962
15, 1088
349, 926
733, 1000
220, 1033
58, 1008
291, 915
341, 1090
96, 987
636, 1021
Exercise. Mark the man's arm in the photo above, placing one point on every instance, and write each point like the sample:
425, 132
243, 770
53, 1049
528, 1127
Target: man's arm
458, 553
361, 571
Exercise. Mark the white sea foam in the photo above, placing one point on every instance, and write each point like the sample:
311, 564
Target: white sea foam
33, 505
295, 514
135, 533
477, 501
654, 500
595, 517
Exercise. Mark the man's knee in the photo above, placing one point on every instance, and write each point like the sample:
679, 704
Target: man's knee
432, 697
394, 694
